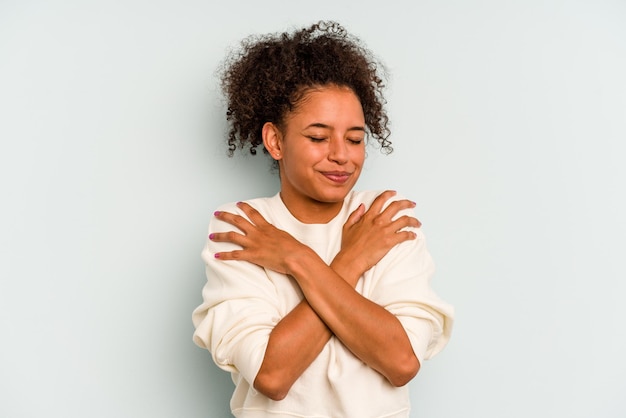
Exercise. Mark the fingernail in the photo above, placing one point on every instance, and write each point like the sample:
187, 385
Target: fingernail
217, 255
217, 213
211, 236
238, 204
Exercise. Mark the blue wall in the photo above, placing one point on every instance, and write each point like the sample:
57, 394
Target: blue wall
509, 132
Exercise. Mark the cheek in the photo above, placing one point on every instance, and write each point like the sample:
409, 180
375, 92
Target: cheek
295, 166
358, 156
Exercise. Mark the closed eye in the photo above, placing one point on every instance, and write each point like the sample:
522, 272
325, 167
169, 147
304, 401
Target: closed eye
316, 139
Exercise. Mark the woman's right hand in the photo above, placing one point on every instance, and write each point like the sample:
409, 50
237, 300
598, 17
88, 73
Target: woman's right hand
261, 242
368, 235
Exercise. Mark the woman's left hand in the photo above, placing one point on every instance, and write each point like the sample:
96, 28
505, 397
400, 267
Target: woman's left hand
262, 243
368, 235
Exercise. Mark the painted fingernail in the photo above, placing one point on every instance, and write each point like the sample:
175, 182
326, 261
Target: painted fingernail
238, 204
217, 255
217, 213
211, 236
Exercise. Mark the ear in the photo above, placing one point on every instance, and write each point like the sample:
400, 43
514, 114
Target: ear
272, 140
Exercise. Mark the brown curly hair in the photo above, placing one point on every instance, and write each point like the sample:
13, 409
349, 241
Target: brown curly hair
270, 74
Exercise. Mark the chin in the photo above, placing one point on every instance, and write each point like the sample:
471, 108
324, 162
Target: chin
334, 196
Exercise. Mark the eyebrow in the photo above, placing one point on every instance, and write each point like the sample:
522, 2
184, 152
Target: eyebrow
324, 126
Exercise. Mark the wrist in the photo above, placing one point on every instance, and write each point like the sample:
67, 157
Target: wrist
299, 261
348, 267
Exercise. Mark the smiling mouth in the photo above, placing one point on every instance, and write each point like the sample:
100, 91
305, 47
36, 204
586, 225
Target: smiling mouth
337, 176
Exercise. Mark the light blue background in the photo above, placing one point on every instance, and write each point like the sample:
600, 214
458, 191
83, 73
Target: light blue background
509, 127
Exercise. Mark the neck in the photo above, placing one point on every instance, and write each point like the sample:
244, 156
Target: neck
311, 211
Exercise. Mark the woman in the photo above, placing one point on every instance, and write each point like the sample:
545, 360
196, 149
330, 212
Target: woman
317, 299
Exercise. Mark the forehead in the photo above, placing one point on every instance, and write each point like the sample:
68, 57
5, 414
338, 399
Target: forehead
327, 104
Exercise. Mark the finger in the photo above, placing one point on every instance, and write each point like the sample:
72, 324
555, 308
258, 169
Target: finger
404, 222
230, 255
379, 202
236, 220
355, 216
252, 213
395, 207
402, 236
230, 236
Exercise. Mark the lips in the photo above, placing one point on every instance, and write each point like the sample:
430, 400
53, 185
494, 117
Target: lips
337, 176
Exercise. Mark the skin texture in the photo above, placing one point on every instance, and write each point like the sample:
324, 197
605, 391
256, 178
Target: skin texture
320, 152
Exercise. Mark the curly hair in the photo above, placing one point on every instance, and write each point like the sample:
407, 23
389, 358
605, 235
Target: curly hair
270, 74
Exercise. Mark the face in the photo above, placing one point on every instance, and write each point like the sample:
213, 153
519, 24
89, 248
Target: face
320, 152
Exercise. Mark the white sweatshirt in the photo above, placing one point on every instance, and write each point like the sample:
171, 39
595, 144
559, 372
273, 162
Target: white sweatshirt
243, 302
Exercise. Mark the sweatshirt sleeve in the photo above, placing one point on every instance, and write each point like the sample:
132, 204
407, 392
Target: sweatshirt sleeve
239, 309
402, 286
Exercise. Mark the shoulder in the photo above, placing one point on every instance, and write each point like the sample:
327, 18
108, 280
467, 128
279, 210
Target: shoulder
367, 197
357, 197
265, 205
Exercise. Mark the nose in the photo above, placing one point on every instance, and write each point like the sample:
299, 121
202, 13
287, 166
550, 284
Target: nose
337, 150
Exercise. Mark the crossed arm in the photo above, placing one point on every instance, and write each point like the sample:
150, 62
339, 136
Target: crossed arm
331, 306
